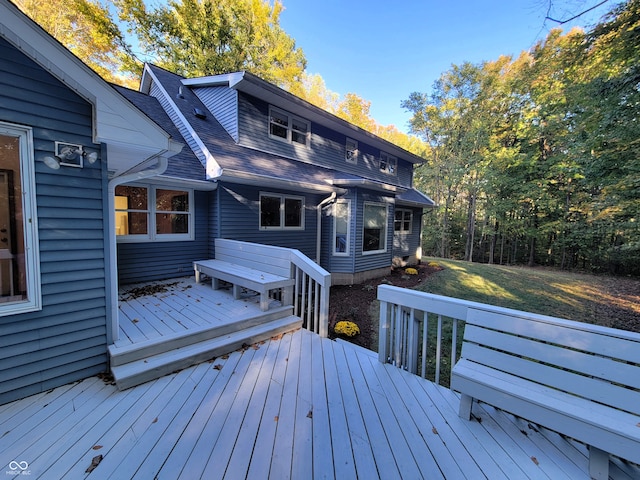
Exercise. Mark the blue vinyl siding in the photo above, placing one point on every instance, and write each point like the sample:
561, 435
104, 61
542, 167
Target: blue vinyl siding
66, 340
327, 147
239, 218
146, 261
223, 103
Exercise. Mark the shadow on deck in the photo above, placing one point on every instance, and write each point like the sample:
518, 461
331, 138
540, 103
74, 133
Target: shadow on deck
294, 406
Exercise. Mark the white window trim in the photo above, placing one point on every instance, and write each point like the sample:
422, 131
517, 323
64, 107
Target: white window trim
401, 231
282, 212
354, 158
290, 119
151, 211
386, 229
348, 239
30, 225
390, 160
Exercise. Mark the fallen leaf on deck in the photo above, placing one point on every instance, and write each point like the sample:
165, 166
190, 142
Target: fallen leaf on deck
277, 337
310, 414
155, 420
255, 346
224, 357
276, 418
434, 430
94, 463
135, 320
638, 424
535, 460
217, 366
524, 432
97, 447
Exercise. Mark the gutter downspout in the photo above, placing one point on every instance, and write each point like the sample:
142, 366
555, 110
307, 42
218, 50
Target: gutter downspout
326, 201
163, 162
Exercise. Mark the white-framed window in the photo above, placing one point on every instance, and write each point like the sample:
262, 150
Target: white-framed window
153, 213
374, 234
288, 128
281, 212
388, 163
351, 151
341, 227
403, 219
20, 290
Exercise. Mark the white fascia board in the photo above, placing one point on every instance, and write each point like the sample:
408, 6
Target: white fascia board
115, 119
213, 169
369, 184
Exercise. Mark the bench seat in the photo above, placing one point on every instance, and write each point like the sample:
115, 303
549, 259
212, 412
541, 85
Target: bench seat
579, 380
242, 276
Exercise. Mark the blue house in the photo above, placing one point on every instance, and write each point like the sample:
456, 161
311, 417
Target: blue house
271, 169
57, 255
102, 186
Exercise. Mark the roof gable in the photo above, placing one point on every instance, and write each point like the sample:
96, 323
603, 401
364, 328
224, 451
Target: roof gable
131, 137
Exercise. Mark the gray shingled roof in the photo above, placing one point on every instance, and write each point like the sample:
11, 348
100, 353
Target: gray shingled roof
183, 165
239, 162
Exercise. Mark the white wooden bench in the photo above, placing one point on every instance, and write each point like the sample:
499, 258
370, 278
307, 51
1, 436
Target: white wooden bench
580, 380
255, 267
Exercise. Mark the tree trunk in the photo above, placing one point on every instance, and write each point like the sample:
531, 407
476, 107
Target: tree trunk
471, 228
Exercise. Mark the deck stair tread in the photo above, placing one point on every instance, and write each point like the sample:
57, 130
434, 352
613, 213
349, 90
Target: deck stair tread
120, 355
165, 362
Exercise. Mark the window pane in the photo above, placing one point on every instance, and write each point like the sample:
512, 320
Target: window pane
299, 137
279, 124
172, 201
167, 223
269, 211
292, 212
375, 221
13, 275
299, 131
341, 227
136, 197
136, 223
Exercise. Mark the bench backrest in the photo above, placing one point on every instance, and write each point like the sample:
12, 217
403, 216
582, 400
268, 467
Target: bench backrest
592, 362
265, 258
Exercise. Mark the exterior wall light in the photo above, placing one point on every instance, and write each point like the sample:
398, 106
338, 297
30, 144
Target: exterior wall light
69, 155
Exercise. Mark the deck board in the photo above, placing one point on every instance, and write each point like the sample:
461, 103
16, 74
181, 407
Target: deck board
297, 406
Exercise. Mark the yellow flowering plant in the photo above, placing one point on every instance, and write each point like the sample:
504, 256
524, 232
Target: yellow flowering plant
433, 265
346, 328
410, 271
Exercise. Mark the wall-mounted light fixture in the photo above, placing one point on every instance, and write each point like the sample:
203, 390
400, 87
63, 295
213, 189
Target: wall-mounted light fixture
69, 155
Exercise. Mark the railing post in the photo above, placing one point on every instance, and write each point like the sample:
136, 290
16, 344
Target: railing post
383, 334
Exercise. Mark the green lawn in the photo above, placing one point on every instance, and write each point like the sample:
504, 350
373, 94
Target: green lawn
608, 301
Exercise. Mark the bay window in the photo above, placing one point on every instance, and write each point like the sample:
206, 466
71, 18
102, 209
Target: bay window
374, 235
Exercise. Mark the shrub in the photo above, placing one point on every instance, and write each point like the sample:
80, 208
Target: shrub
346, 328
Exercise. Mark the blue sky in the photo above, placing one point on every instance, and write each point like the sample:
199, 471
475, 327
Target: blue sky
383, 50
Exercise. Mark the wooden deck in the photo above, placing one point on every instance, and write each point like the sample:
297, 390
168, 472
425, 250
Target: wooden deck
164, 309
298, 406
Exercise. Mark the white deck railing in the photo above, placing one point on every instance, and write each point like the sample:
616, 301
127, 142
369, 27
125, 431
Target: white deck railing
311, 294
412, 326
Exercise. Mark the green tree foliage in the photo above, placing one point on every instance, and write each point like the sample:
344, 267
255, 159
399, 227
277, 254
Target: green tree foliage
536, 159
207, 37
86, 28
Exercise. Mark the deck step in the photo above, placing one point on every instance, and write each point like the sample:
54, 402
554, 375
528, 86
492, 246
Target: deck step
155, 366
166, 343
